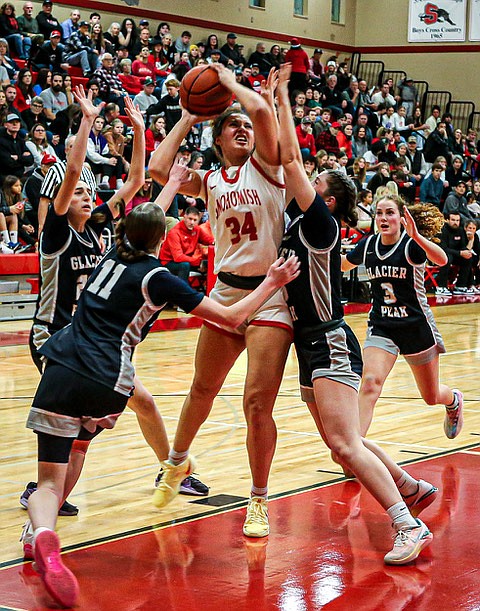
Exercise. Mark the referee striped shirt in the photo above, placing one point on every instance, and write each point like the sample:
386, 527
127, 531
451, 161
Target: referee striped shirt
56, 175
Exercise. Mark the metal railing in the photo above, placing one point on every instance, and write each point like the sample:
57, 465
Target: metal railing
354, 61
395, 75
435, 98
474, 121
461, 111
422, 88
370, 72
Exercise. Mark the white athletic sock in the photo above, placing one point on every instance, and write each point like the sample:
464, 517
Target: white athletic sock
106, 180
401, 517
176, 458
406, 484
14, 236
39, 530
260, 492
454, 404
6, 236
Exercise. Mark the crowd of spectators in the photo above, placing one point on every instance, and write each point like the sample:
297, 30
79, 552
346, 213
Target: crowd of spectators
375, 134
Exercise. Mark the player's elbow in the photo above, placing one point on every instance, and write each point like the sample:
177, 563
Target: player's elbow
157, 171
290, 158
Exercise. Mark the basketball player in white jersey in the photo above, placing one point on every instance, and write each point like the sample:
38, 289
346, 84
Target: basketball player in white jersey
246, 202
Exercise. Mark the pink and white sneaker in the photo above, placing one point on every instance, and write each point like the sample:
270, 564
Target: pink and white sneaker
59, 581
26, 538
452, 425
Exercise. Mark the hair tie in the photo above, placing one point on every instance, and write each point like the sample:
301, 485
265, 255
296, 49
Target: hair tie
127, 243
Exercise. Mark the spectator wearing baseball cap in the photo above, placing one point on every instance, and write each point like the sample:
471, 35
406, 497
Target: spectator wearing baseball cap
146, 98
79, 50
47, 23
300, 66
327, 140
315, 71
50, 55
231, 52
305, 137
14, 155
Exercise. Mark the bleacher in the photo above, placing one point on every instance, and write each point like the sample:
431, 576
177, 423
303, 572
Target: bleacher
465, 116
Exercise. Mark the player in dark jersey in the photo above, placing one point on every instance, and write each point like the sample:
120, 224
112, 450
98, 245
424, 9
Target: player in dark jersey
69, 251
328, 352
89, 375
401, 321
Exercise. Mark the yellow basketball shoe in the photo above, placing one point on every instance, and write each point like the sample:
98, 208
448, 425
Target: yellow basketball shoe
256, 520
173, 476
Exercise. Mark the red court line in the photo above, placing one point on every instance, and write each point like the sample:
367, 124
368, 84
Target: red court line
325, 551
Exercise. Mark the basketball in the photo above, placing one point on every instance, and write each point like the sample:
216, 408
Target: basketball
202, 93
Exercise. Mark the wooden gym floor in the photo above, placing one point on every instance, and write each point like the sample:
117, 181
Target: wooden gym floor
328, 536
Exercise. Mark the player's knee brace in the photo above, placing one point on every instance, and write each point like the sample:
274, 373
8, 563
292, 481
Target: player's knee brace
80, 446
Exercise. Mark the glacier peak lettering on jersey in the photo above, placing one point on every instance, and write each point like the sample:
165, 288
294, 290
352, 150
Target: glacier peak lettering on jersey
395, 311
232, 199
386, 271
85, 261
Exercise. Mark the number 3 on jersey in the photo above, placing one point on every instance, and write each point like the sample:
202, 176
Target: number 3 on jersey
247, 229
107, 278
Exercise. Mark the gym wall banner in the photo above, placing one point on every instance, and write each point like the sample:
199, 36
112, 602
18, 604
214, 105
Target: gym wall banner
441, 21
474, 20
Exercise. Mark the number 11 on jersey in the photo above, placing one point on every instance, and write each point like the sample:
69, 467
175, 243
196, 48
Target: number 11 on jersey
107, 277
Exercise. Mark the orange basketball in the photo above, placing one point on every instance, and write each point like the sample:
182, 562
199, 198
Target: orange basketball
202, 93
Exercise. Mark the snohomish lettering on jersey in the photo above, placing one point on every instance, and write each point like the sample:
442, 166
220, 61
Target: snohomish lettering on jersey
246, 208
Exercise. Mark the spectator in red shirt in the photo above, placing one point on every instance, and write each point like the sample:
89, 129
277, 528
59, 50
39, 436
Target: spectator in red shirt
345, 140
131, 83
305, 137
182, 249
300, 66
142, 66
154, 134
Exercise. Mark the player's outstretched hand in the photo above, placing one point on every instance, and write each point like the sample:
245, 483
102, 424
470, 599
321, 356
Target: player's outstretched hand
268, 87
284, 78
409, 223
133, 112
89, 110
180, 174
284, 271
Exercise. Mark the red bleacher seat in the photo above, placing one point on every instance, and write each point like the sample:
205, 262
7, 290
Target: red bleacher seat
75, 71
33, 282
79, 80
13, 265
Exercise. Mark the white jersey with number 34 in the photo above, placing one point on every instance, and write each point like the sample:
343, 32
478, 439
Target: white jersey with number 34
246, 209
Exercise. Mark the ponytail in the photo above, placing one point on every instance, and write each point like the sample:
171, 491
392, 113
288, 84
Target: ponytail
139, 234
